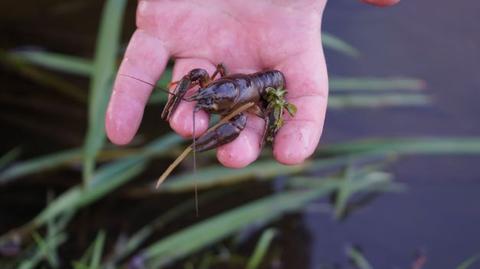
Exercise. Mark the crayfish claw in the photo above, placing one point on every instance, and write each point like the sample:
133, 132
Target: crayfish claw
223, 134
180, 90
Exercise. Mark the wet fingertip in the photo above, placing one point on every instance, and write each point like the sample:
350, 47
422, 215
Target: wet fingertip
230, 161
289, 154
289, 159
122, 121
239, 153
115, 136
182, 121
295, 143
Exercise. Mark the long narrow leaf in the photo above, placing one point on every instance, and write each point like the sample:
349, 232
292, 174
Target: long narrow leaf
344, 192
356, 181
425, 145
221, 176
47, 250
141, 236
375, 84
105, 180
39, 164
332, 42
58, 159
100, 87
378, 100
58, 62
261, 249
42, 77
358, 259
469, 262
9, 157
97, 250
41, 254
200, 235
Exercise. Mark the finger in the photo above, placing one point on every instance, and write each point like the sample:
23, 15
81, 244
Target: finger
245, 149
181, 120
145, 59
307, 86
381, 3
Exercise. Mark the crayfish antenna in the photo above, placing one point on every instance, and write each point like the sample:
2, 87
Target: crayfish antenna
151, 84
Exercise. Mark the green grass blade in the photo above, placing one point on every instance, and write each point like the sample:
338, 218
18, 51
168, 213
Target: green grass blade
79, 265
261, 248
358, 259
141, 236
9, 157
334, 43
218, 175
375, 101
47, 248
362, 181
166, 78
104, 66
161, 145
344, 192
200, 235
55, 160
44, 78
426, 145
48, 252
375, 84
58, 62
42, 253
261, 170
105, 180
39, 164
469, 262
97, 251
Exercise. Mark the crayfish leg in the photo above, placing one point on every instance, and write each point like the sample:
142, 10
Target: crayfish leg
223, 134
195, 77
220, 69
263, 114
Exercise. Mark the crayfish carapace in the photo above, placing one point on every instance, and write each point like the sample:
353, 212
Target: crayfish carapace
266, 89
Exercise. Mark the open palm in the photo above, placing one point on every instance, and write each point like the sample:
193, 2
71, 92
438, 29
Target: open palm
246, 36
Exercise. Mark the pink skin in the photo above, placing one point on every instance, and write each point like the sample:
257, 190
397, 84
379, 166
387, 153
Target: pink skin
246, 36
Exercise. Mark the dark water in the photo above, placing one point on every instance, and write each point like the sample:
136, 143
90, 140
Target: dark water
436, 40
439, 215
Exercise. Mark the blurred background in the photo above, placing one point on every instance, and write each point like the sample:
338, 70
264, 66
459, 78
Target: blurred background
393, 185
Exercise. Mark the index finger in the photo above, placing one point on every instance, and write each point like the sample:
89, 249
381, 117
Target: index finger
145, 59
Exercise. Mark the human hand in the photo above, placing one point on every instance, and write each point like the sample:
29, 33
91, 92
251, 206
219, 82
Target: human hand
246, 36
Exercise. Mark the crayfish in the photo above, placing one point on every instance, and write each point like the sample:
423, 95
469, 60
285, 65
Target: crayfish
266, 89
